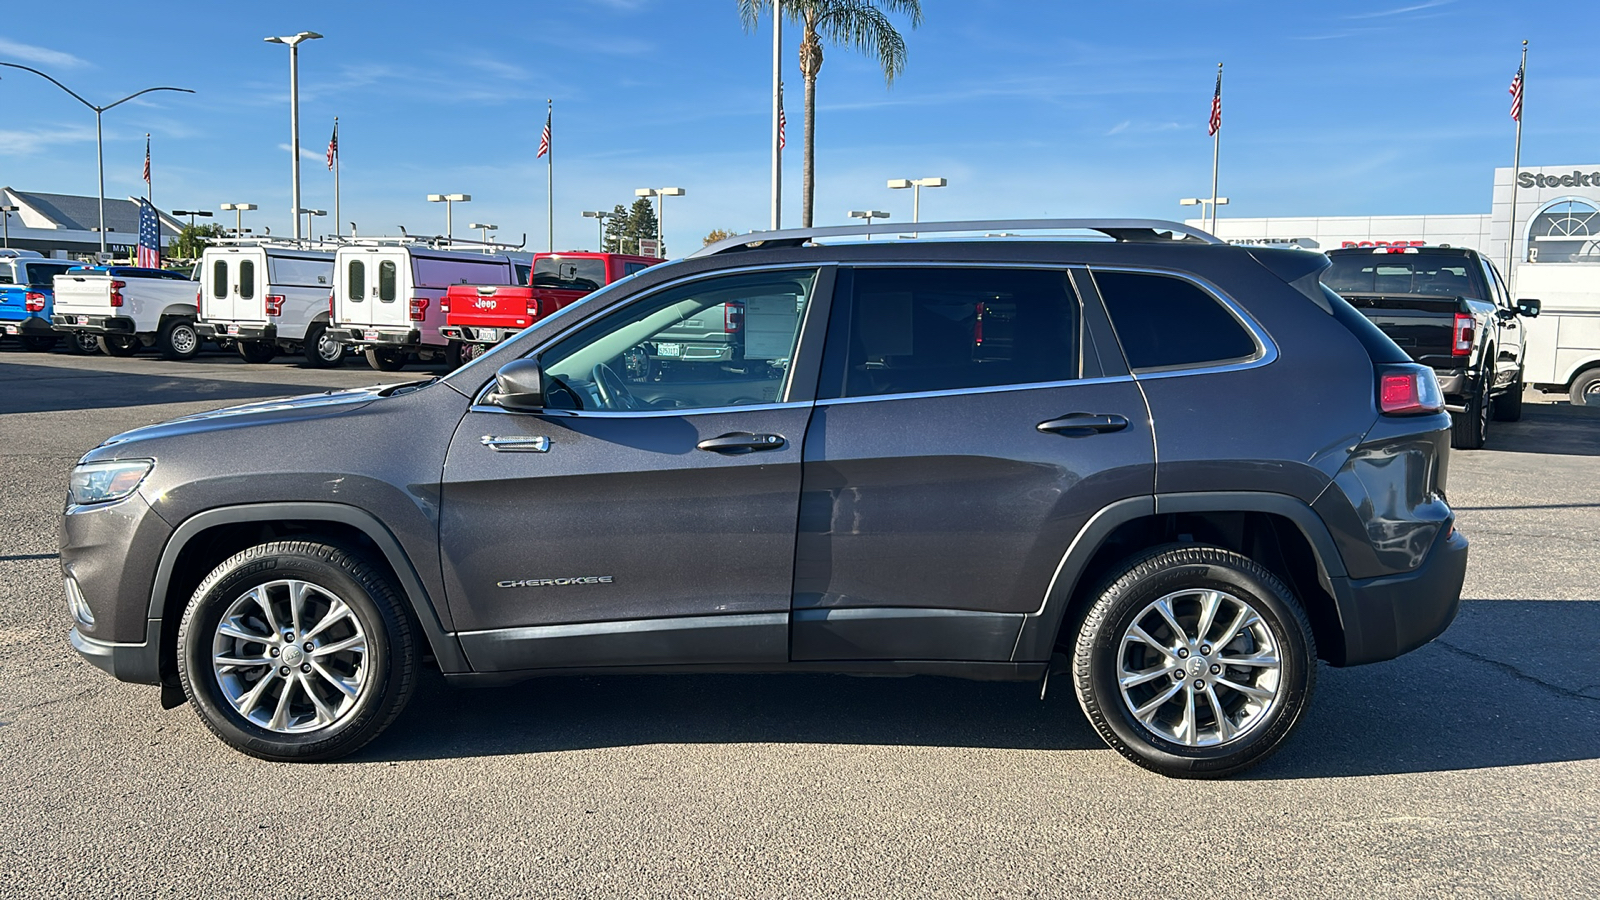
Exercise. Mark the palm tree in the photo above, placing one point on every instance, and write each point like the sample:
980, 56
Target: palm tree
862, 24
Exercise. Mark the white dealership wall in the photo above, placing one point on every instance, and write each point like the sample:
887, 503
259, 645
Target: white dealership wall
1538, 188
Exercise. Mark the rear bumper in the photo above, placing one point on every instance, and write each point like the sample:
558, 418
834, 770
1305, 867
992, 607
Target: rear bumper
473, 334
377, 337
237, 331
32, 326
1392, 615
93, 324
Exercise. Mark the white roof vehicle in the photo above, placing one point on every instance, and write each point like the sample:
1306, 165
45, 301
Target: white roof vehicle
1564, 341
386, 295
268, 296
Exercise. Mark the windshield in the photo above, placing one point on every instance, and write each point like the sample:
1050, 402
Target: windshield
1404, 273
569, 274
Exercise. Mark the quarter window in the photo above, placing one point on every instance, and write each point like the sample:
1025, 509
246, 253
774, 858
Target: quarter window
219, 279
386, 280
1164, 322
247, 279
356, 280
916, 330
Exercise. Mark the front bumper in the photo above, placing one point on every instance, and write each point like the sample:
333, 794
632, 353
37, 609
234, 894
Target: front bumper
134, 663
1391, 615
93, 324
236, 331
32, 326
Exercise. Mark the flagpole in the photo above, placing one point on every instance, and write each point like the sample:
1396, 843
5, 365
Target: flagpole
337, 221
777, 112
550, 170
150, 178
1216, 153
1516, 163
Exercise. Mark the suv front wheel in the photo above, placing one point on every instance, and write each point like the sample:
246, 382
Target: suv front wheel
1196, 662
296, 651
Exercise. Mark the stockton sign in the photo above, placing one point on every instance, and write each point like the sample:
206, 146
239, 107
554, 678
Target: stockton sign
1578, 178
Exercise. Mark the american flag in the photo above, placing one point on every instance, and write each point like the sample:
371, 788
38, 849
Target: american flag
333, 144
544, 139
783, 122
1216, 108
149, 237
147, 159
1516, 95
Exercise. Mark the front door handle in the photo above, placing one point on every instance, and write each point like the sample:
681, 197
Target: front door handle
539, 444
742, 442
1083, 424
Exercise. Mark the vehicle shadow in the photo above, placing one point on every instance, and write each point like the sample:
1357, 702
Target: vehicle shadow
1451, 705
1557, 428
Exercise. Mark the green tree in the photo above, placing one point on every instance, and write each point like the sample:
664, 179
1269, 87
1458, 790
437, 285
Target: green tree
862, 24
641, 224
191, 241
717, 234
616, 222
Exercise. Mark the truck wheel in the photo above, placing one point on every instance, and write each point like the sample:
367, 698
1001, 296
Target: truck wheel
385, 360
118, 344
1195, 662
83, 343
1508, 406
296, 651
455, 354
1586, 389
38, 343
257, 351
321, 350
177, 340
1469, 428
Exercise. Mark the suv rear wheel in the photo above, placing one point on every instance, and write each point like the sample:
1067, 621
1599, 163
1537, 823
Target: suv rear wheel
296, 651
1196, 662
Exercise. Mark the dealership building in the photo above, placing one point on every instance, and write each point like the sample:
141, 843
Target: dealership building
1557, 221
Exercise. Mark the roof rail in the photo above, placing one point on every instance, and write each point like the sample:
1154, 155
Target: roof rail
328, 244
432, 242
1117, 229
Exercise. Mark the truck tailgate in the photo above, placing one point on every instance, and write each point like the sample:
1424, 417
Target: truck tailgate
83, 295
489, 305
1422, 326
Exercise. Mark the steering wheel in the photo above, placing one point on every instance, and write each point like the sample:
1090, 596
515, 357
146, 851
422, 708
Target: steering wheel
613, 390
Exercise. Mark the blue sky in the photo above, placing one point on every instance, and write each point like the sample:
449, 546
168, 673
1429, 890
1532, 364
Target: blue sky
1028, 108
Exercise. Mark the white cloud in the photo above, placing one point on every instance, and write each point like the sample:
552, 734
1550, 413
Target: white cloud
307, 153
44, 56
27, 143
1401, 10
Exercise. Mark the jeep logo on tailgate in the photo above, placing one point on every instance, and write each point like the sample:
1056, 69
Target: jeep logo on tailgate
485, 303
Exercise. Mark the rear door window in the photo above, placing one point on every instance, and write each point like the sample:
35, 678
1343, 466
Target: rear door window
916, 330
247, 279
387, 276
1165, 322
219, 279
356, 280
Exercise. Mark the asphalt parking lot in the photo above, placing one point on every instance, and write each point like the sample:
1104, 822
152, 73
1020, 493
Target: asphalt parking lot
1468, 768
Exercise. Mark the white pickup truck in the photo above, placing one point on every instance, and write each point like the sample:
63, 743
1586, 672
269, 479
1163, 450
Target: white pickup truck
127, 308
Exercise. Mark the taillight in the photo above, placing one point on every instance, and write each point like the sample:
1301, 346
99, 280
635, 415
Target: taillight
1407, 390
199, 307
419, 308
116, 292
34, 301
330, 306
977, 328
1462, 345
733, 317
444, 304
274, 304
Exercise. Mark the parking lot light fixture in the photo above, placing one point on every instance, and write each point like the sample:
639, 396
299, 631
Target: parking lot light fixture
449, 212
191, 213
661, 223
600, 216
308, 213
5, 212
1205, 204
293, 42
238, 215
484, 227
916, 185
869, 215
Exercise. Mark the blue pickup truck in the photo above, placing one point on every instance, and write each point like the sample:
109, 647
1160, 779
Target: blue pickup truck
27, 293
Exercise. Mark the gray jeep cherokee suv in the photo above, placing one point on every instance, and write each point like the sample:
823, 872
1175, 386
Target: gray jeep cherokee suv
1175, 471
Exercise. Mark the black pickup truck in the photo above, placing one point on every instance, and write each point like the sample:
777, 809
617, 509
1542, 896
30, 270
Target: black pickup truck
1449, 309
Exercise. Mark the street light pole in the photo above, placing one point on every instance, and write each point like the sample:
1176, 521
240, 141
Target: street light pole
869, 215
238, 216
599, 216
916, 185
294, 112
485, 228
1206, 204
99, 138
5, 212
449, 212
661, 204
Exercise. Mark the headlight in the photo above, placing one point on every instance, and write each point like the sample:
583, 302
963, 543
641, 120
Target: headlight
102, 482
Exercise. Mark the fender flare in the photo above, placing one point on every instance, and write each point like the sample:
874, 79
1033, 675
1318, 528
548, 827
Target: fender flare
1036, 640
446, 649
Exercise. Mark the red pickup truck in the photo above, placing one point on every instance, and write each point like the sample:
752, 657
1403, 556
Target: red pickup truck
479, 316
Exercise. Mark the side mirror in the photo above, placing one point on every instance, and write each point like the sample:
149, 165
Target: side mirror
519, 385
1529, 308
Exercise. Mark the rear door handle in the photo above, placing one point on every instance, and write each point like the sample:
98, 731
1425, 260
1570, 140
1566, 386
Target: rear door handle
539, 444
1083, 424
742, 442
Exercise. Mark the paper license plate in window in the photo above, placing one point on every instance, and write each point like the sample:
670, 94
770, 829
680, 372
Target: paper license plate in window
669, 349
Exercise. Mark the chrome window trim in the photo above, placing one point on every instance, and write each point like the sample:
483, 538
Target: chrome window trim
663, 286
1266, 350
991, 389
640, 414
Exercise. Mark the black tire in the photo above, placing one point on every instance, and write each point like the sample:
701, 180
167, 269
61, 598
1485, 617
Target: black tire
454, 354
257, 351
83, 344
1172, 571
385, 360
1508, 406
386, 675
1585, 389
38, 343
118, 344
322, 351
177, 340
1470, 428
